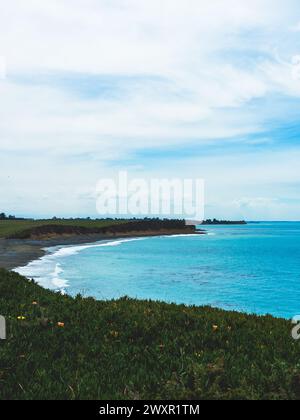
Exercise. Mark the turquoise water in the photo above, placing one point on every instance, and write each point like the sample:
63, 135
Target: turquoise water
253, 268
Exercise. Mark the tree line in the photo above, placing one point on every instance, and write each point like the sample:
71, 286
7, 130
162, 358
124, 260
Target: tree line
3, 216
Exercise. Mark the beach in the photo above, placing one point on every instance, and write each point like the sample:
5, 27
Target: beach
241, 268
19, 252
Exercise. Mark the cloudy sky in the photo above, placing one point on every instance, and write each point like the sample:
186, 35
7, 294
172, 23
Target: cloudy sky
189, 88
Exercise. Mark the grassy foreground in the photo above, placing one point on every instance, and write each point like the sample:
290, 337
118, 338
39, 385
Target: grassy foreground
67, 348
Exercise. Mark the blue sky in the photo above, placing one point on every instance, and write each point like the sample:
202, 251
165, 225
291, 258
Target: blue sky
162, 88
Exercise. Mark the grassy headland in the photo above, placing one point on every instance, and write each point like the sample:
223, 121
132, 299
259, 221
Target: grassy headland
44, 229
64, 348
14, 228
24, 240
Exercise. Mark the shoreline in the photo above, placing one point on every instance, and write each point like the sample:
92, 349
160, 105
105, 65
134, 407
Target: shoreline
16, 253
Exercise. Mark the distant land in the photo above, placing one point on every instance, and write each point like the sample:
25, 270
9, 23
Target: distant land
215, 222
30, 229
223, 222
3, 216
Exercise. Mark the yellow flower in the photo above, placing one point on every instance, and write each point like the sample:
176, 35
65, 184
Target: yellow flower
21, 318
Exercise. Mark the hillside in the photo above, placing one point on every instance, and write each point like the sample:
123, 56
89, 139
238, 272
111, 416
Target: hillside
46, 229
13, 228
64, 348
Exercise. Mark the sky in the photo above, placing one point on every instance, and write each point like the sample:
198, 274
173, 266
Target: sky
160, 88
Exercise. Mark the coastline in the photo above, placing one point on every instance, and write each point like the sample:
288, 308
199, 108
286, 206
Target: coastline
20, 252
221, 350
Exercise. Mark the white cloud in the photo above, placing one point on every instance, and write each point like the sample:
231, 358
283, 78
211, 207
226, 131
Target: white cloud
183, 43
2, 67
196, 68
134, 36
296, 28
255, 202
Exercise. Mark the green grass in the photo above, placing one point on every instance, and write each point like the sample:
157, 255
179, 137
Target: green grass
130, 349
13, 227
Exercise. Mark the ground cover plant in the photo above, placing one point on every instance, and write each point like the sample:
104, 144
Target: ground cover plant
59, 347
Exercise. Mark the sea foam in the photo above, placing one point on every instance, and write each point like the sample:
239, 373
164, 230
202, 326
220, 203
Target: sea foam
48, 272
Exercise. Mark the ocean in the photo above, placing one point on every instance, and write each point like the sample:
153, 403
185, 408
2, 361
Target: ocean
253, 268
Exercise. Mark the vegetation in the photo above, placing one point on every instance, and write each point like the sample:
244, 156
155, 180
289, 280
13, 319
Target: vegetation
24, 229
10, 228
60, 347
223, 222
3, 216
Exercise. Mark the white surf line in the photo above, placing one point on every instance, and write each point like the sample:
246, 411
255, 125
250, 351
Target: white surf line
62, 251
194, 235
56, 280
47, 270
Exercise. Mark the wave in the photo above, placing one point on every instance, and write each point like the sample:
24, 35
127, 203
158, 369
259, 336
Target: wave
57, 281
48, 272
66, 251
183, 235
